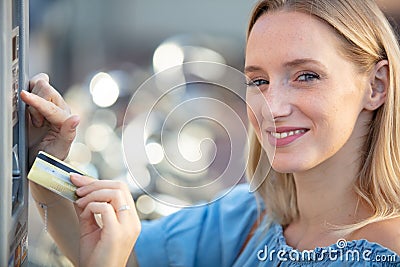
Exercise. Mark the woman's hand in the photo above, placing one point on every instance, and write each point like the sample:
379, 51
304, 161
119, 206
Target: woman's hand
52, 127
111, 244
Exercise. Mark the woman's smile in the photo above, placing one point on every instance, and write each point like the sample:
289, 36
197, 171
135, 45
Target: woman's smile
284, 136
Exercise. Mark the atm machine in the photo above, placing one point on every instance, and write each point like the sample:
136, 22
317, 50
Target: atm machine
13, 147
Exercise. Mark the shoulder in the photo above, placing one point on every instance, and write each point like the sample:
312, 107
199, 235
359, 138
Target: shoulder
235, 205
386, 233
185, 235
239, 194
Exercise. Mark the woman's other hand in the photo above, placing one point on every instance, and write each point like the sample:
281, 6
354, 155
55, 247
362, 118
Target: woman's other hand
112, 243
52, 127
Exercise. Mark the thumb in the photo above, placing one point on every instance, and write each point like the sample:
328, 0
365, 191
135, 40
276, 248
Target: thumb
66, 136
68, 129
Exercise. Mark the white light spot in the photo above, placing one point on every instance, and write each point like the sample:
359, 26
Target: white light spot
145, 204
97, 136
155, 153
189, 147
166, 56
104, 90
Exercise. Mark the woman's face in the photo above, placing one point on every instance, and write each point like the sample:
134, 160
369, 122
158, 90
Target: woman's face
304, 98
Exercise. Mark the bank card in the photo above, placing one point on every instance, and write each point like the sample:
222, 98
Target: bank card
53, 174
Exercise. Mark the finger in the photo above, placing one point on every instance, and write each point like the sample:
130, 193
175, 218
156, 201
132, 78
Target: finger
89, 223
36, 118
40, 86
113, 196
107, 212
50, 111
78, 210
123, 205
106, 184
67, 133
80, 180
37, 77
43, 89
87, 187
102, 184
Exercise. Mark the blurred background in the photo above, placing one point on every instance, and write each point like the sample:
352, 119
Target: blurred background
98, 53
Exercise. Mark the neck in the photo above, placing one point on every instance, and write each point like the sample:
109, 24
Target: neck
325, 194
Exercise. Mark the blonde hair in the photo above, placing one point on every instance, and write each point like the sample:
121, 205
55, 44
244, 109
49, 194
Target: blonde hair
367, 38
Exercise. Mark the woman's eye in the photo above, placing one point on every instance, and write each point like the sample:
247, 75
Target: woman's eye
257, 82
307, 77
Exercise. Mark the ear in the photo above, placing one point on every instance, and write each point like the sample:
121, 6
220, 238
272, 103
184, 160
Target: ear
378, 86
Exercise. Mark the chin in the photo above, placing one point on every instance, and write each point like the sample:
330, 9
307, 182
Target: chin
283, 169
292, 166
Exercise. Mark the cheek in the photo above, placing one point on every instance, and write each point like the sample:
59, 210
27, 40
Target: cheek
334, 123
254, 112
253, 119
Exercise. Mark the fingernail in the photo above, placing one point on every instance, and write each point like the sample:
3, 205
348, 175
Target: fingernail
75, 124
73, 176
25, 93
79, 190
78, 201
77, 175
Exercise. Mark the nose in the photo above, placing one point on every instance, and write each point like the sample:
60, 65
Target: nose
278, 103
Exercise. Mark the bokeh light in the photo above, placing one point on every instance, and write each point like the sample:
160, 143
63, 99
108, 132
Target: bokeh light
104, 90
98, 136
167, 55
155, 153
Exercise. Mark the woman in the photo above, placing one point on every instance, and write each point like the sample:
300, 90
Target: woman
328, 72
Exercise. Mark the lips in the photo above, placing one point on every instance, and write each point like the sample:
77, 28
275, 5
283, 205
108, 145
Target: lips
286, 134
283, 136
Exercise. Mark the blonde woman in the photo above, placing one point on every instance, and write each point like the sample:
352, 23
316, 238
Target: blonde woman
329, 71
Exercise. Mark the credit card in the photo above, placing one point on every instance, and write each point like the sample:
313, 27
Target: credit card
53, 174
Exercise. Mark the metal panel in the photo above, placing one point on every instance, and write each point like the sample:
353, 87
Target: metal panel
13, 148
5, 129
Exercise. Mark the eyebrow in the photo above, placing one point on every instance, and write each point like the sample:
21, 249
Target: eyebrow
293, 63
302, 61
252, 69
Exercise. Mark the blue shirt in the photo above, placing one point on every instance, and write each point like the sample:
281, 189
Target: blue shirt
213, 235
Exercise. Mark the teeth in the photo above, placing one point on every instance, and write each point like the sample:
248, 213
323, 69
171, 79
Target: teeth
286, 134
